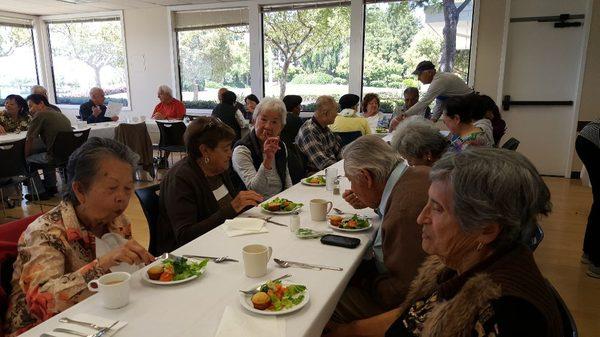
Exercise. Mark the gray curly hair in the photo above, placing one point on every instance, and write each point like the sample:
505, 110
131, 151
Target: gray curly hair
416, 137
84, 163
492, 185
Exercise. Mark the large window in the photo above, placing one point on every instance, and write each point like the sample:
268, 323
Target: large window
88, 54
18, 70
398, 35
306, 50
214, 52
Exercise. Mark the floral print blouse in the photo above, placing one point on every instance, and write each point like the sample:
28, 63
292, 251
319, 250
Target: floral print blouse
458, 143
11, 125
56, 259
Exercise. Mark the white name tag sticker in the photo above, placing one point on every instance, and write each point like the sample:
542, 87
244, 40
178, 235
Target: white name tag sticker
220, 192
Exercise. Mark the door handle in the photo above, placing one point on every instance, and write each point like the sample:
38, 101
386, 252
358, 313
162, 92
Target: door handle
506, 103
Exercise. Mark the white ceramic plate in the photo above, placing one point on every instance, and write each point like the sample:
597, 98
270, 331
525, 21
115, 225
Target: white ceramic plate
350, 229
246, 301
144, 272
304, 182
297, 209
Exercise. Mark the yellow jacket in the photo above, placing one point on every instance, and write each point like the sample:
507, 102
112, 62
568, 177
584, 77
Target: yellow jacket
348, 124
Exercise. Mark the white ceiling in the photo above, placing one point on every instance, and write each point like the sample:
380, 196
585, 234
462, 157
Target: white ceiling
51, 7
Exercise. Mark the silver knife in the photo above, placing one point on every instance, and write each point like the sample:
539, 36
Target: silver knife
300, 264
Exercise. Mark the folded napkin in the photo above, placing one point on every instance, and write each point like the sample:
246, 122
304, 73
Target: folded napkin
89, 319
236, 324
108, 242
244, 226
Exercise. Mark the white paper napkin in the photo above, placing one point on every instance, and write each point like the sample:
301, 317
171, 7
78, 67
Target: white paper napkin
244, 226
108, 242
236, 324
89, 319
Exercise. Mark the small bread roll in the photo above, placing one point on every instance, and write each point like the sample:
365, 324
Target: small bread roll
261, 301
155, 272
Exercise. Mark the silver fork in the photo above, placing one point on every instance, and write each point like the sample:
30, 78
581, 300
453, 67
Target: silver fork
214, 259
86, 324
77, 333
257, 289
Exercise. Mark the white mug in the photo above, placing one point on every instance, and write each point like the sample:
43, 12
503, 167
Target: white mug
113, 289
256, 258
319, 209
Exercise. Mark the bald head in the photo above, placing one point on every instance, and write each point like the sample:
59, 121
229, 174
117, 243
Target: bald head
38, 89
97, 96
326, 109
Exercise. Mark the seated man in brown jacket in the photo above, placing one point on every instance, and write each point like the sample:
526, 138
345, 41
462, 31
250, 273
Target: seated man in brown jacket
382, 180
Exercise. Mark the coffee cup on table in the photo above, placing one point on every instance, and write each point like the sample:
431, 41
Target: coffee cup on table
112, 288
256, 258
319, 209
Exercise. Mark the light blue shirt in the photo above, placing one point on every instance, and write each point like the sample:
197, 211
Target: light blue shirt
389, 186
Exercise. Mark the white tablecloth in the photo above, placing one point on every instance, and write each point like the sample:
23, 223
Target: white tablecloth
11, 137
102, 130
195, 308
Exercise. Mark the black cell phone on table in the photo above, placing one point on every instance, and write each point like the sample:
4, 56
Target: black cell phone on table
340, 241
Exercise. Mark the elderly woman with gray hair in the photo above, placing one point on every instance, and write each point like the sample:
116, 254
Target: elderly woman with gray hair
260, 158
56, 253
481, 279
169, 107
419, 141
381, 180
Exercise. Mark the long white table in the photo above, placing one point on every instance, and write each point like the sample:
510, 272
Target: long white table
102, 130
195, 308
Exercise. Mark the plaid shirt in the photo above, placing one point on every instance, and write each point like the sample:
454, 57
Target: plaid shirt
319, 144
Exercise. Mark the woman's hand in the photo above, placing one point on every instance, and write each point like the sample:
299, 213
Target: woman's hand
353, 200
245, 199
396, 121
2, 131
270, 147
131, 252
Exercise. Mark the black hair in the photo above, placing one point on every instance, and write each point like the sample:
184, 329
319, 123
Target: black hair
229, 97
21, 102
251, 97
37, 99
208, 131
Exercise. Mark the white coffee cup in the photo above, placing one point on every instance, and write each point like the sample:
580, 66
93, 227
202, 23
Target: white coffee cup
256, 258
319, 209
113, 289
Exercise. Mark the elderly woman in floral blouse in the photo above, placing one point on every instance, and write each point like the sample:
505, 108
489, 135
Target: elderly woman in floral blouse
15, 117
56, 254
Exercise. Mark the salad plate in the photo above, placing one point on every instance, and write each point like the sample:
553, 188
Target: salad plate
281, 206
276, 298
354, 223
173, 271
318, 180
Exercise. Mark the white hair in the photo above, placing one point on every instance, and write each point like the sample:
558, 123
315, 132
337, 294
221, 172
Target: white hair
165, 89
373, 154
416, 137
271, 104
38, 89
95, 89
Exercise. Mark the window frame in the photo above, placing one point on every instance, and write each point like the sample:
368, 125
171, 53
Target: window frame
49, 19
24, 21
255, 22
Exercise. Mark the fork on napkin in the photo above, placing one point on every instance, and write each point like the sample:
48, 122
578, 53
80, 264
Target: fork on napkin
235, 323
244, 226
88, 330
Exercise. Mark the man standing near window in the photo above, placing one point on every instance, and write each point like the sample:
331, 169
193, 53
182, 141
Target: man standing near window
93, 110
441, 86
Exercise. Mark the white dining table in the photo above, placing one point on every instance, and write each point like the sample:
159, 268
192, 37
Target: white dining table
12, 137
102, 130
195, 308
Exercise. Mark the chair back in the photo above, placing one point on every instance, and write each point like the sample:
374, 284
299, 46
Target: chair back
511, 144
171, 133
569, 326
66, 143
149, 200
348, 137
137, 138
12, 157
10, 234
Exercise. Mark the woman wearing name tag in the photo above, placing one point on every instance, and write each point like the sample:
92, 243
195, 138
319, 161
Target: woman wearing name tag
197, 194
56, 253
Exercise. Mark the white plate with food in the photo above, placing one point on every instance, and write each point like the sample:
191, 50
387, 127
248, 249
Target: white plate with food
354, 223
318, 180
173, 271
278, 298
281, 206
